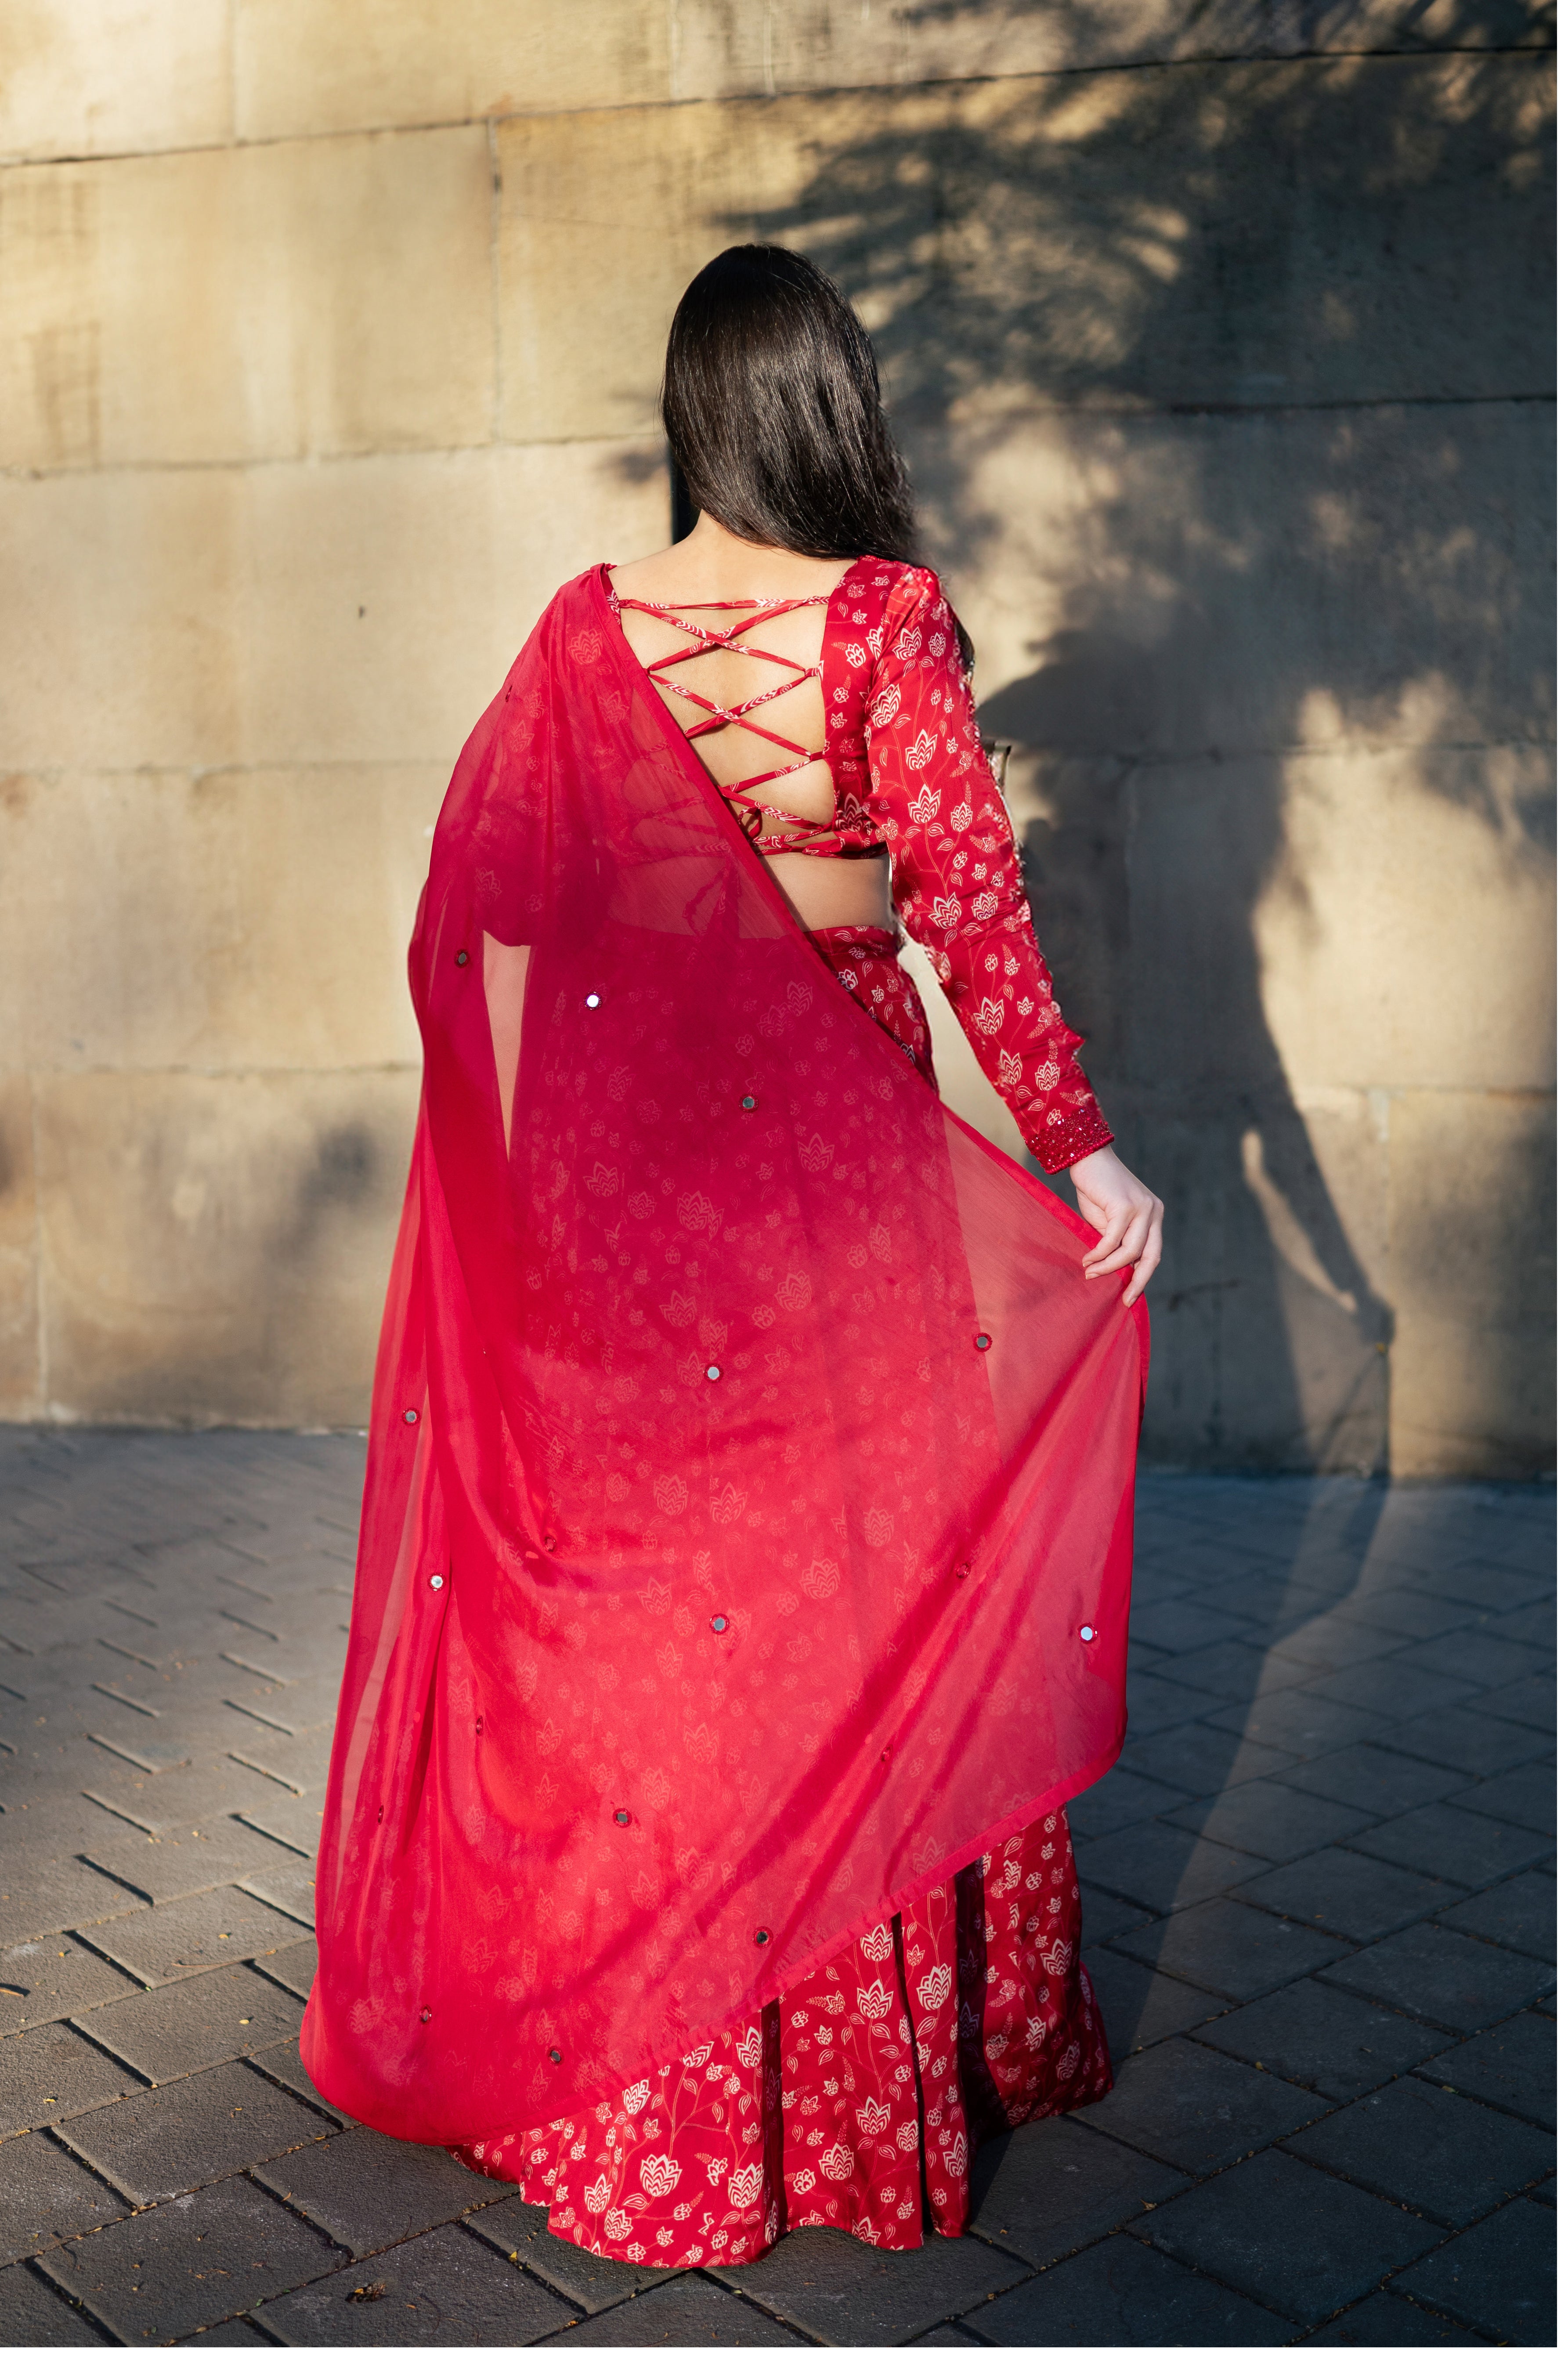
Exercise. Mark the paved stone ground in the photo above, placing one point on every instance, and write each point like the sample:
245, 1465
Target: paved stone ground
1319, 1904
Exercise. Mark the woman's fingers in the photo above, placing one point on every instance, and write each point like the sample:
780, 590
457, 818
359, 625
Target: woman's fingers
1149, 1258
1131, 1241
1115, 1247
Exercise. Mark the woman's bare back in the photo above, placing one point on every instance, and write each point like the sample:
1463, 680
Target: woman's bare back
711, 568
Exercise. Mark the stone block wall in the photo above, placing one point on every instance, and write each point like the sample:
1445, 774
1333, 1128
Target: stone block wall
1216, 334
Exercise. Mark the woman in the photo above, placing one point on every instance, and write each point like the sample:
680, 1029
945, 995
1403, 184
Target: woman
747, 1522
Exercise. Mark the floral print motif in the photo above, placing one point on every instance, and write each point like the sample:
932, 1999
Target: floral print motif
873, 2080
909, 771
865, 959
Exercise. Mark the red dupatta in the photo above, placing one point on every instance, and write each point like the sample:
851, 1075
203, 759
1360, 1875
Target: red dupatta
747, 1520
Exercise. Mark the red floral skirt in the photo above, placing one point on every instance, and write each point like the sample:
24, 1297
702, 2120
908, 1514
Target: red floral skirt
872, 2081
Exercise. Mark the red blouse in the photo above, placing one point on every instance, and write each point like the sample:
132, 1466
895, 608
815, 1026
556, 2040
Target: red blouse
910, 776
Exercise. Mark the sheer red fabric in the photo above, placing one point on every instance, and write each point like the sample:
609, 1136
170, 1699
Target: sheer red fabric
911, 781
748, 1509
867, 2085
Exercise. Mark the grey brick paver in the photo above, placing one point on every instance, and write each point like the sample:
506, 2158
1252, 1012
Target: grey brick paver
1524, 1796
1271, 1820
47, 1980
1324, 2039
1304, 1719
442, 2291
1443, 1977
192, 1935
835, 2289
45, 2194
1140, 2006
1449, 2157
1478, 1655
1370, 1776
1122, 1798
49, 2074
1513, 2066
1533, 1703
1202, 1759
1387, 2322
519, 2231
1406, 1612
1042, 2195
59, 1895
33, 2315
1394, 1688
1470, 1740
176, 1865
1338, 1726
211, 2017
282, 2063
1122, 2295
1105, 1915
368, 2190
690, 2312
168, 2140
1160, 1866
1529, 1624
1288, 2234
293, 1967
1197, 2109
169, 2271
1358, 1897
1238, 1952
1455, 1844
1501, 2276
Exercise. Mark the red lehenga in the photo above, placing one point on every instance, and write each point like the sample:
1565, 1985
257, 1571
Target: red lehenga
743, 1566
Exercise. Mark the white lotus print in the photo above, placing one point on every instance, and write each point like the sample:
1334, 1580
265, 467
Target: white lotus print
745, 2185
935, 1989
598, 2196
875, 2001
877, 1946
837, 2162
873, 2116
660, 2174
632, 2099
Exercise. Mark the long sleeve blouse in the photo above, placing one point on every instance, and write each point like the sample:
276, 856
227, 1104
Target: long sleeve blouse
927, 792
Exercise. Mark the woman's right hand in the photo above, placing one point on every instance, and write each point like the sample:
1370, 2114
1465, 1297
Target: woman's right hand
1130, 1219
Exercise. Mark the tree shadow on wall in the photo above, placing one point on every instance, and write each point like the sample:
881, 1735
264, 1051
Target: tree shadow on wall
1223, 377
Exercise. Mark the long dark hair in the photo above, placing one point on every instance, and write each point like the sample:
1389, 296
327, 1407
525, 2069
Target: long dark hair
773, 415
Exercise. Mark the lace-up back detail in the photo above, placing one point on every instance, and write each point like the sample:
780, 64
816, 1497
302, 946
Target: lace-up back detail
793, 832
911, 783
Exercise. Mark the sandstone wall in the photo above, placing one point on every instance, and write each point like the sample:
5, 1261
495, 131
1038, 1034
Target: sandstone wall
1217, 335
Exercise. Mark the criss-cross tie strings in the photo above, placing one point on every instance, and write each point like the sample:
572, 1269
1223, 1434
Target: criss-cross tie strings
753, 612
